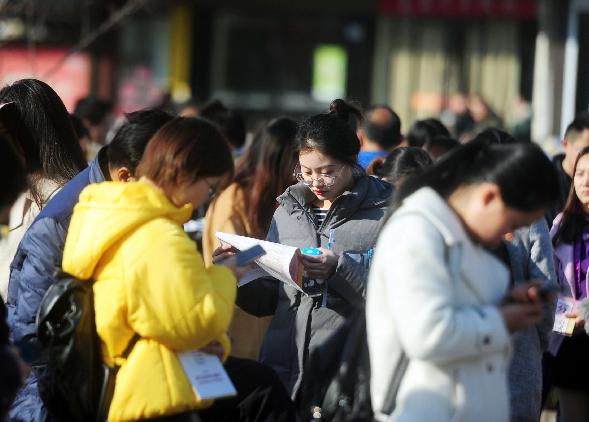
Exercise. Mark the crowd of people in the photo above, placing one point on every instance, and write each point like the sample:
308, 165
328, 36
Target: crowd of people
449, 255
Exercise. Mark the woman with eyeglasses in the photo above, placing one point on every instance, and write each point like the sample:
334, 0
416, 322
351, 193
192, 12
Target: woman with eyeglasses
335, 208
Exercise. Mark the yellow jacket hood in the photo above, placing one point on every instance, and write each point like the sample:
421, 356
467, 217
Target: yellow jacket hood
120, 208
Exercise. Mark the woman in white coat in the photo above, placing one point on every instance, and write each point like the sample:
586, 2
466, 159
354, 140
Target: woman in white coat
436, 296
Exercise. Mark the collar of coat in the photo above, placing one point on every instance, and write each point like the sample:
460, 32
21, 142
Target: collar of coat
368, 192
480, 270
427, 202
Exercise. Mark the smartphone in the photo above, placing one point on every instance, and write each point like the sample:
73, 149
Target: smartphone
247, 256
548, 293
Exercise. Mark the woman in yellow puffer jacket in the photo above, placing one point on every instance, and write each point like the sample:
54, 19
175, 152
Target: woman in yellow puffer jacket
149, 277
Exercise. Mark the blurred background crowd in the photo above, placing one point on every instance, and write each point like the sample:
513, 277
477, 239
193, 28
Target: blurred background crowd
516, 64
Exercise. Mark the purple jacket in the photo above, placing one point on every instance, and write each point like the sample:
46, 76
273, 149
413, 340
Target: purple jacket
564, 265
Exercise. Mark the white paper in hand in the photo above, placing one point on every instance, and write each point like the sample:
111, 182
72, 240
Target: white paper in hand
206, 374
280, 261
562, 324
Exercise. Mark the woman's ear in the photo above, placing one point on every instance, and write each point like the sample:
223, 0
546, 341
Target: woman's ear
490, 193
122, 174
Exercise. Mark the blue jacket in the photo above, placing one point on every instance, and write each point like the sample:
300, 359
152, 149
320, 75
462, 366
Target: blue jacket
31, 273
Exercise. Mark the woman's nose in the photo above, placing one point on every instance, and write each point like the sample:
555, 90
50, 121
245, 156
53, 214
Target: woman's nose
317, 181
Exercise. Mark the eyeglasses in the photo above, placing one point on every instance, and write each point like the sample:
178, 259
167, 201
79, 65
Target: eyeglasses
212, 190
326, 180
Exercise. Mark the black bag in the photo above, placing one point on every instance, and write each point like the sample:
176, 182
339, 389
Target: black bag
336, 381
336, 384
75, 385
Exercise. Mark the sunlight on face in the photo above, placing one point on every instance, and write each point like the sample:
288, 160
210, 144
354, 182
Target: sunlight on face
196, 193
488, 218
327, 177
581, 181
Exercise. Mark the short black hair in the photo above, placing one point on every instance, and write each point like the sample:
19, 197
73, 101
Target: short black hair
577, 126
440, 145
128, 145
230, 122
385, 135
93, 109
425, 130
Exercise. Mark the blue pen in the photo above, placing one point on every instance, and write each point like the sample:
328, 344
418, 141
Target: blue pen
330, 243
331, 239
368, 257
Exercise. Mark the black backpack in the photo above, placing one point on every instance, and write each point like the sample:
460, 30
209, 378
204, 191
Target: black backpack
75, 385
336, 381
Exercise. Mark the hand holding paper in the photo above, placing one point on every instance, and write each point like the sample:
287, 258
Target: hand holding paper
281, 262
206, 374
564, 321
238, 262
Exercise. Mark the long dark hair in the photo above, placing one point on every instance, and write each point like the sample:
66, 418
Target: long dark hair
43, 131
526, 178
267, 171
12, 174
574, 218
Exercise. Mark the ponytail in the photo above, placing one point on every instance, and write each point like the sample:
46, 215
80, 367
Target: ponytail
525, 176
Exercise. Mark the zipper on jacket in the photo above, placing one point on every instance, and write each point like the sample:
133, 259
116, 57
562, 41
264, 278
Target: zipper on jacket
309, 216
321, 229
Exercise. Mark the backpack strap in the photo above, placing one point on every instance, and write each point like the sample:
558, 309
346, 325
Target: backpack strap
390, 400
130, 346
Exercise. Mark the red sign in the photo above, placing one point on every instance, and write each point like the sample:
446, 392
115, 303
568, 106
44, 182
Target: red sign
459, 8
71, 81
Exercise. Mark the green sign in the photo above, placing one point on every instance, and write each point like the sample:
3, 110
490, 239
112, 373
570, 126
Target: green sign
330, 72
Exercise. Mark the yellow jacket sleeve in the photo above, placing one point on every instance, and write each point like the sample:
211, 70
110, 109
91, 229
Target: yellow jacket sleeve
170, 295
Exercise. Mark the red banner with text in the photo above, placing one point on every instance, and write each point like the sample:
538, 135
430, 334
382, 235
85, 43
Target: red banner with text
469, 8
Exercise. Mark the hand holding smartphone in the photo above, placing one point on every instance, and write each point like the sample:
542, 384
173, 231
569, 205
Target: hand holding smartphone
531, 291
247, 256
548, 293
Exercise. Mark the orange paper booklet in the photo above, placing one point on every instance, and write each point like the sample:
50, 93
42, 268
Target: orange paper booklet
563, 324
280, 261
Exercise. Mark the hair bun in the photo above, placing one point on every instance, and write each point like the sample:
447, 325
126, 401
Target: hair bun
346, 111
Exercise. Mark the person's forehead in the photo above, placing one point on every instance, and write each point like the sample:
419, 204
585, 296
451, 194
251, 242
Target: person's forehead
580, 138
316, 159
583, 161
